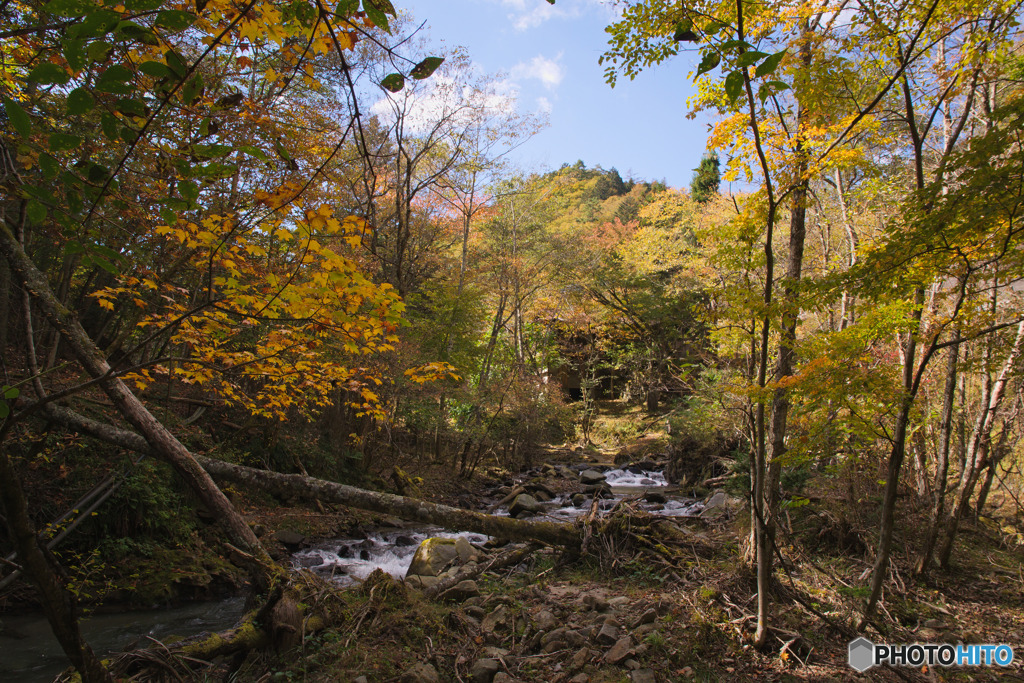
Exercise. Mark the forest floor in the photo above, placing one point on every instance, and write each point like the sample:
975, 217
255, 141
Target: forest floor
643, 605
685, 612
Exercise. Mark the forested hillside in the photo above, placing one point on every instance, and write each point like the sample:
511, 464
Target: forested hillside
269, 276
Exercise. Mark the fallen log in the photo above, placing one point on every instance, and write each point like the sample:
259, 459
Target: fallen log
412, 509
310, 488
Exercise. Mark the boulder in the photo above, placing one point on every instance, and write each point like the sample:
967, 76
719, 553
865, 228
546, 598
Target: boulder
433, 555
655, 497
465, 549
619, 651
463, 590
591, 477
421, 673
289, 538
524, 502
643, 676
540, 491
544, 620
495, 620
608, 635
721, 503
483, 670
579, 499
602, 490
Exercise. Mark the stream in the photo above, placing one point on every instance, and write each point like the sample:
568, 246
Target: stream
38, 657
346, 560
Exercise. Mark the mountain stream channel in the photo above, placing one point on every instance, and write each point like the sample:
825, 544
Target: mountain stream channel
37, 657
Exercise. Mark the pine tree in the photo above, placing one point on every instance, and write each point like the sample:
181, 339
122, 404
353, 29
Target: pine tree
705, 180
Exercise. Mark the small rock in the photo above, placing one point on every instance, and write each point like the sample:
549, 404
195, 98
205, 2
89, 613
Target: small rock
582, 658
421, 673
608, 635
502, 677
467, 553
933, 623
655, 497
524, 503
463, 590
483, 670
631, 664
475, 611
417, 581
648, 617
591, 477
643, 676
545, 620
495, 652
579, 499
360, 679
618, 602
595, 602
404, 541
619, 651
494, 620
580, 678
288, 537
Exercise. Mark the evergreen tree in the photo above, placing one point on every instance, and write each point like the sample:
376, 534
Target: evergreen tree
705, 180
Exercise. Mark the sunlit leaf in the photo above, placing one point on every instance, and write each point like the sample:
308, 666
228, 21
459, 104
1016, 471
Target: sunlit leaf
393, 82
425, 68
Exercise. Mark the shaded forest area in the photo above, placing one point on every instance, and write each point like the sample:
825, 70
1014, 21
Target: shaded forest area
270, 261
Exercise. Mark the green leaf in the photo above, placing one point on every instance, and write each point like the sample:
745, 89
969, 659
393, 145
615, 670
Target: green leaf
393, 82
11, 392
69, 8
4, 410
710, 60
110, 126
98, 173
80, 101
733, 44
132, 108
734, 85
18, 118
684, 32
188, 190
36, 211
63, 141
175, 19
384, 6
74, 53
155, 69
254, 152
99, 51
748, 58
770, 64
142, 5
346, 8
136, 32
192, 89
176, 63
375, 15
778, 85
114, 80
49, 166
103, 263
48, 73
426, 67
96, 23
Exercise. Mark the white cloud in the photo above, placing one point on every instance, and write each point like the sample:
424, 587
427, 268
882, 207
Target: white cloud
527, 14
547, 71
544, 105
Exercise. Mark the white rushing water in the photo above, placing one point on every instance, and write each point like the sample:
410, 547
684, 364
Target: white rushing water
345, 560
348, 560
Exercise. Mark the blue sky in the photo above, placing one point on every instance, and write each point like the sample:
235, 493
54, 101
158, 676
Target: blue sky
549, 54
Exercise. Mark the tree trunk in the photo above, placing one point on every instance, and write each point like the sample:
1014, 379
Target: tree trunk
164, 445
977, 449
941, 459
58, 603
